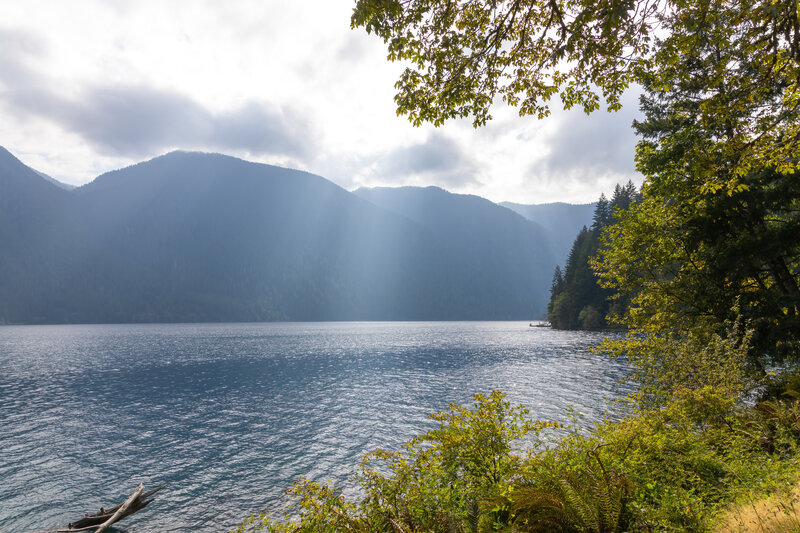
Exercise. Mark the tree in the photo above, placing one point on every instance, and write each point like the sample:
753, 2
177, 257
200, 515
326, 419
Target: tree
717, 231
602, 213
558, 282
577, 301
464, 56
622, 199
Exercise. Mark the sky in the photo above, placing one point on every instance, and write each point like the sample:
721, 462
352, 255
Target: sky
91, 86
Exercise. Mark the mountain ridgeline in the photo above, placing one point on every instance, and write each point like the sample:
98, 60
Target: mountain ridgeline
190, 237
502, 254
560, 222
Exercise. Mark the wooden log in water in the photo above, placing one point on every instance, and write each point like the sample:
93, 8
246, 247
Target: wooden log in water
116, 516
98, 518
106, 517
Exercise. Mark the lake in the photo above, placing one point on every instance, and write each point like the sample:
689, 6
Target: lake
229, 414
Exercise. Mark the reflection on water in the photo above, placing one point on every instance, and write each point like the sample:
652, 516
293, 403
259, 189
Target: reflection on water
229, 414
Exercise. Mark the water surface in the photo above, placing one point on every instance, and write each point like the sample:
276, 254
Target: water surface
229, 414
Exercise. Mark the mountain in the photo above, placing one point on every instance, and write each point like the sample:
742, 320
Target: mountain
561, 222
59, 184
25, 191
35, 216
503, 252
191, 237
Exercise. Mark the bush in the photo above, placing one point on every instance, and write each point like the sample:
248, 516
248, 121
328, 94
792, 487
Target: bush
446, 480
677, 464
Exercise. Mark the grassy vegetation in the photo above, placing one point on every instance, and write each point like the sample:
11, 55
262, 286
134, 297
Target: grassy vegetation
778, 513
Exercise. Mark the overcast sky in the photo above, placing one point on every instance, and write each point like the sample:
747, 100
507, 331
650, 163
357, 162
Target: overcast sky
91, 86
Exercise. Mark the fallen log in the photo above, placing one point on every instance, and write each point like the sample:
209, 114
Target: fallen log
106, 517
116, 516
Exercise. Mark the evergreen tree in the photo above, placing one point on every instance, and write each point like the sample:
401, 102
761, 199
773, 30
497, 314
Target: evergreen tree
602, 213
558, 282
577, 301
718, 233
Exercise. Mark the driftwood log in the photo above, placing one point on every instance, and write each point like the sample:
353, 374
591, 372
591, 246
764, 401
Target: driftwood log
106, 517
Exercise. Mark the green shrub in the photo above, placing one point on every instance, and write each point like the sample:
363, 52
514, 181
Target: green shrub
447, 480
569, 496
675, 467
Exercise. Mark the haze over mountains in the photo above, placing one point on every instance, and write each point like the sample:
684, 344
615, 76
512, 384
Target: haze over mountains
561, 222
192, 237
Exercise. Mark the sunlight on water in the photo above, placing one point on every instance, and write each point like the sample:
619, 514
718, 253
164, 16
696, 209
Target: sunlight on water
228, 415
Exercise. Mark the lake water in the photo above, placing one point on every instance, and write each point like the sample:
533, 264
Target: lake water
229, 414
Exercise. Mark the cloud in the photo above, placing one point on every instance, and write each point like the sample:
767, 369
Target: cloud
353, 49
125, 120
601, 144
438, 160
17, 50
15, 42
136, 120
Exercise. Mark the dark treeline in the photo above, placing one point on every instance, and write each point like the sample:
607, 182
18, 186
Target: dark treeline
577, 301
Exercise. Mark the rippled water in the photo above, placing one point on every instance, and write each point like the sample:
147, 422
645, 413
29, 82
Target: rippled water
229, 414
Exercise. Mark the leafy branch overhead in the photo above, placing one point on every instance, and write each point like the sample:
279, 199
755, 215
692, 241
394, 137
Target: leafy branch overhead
463, 57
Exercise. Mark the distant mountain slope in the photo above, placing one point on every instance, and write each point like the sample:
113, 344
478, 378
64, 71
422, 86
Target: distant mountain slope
35, 217
506, 252
59, 184
561, 222
23, 190
202, 237
205, 237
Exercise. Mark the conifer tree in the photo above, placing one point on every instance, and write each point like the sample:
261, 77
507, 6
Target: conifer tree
602, 213
577, 301
717, 234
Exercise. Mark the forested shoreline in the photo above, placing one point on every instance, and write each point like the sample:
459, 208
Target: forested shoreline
577, 301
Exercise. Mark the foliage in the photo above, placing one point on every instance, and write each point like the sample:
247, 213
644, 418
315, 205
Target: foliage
677, 467
719, 224
462, 57
685, 259
450, 474
672, 468
322, 509
576, 299
685, 460
670, 363
563, 496
447, 479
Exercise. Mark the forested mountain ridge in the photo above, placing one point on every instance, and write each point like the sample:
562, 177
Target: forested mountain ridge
499, 245
191, 237
36, 220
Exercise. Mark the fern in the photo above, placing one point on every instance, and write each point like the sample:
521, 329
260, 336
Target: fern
589, 498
